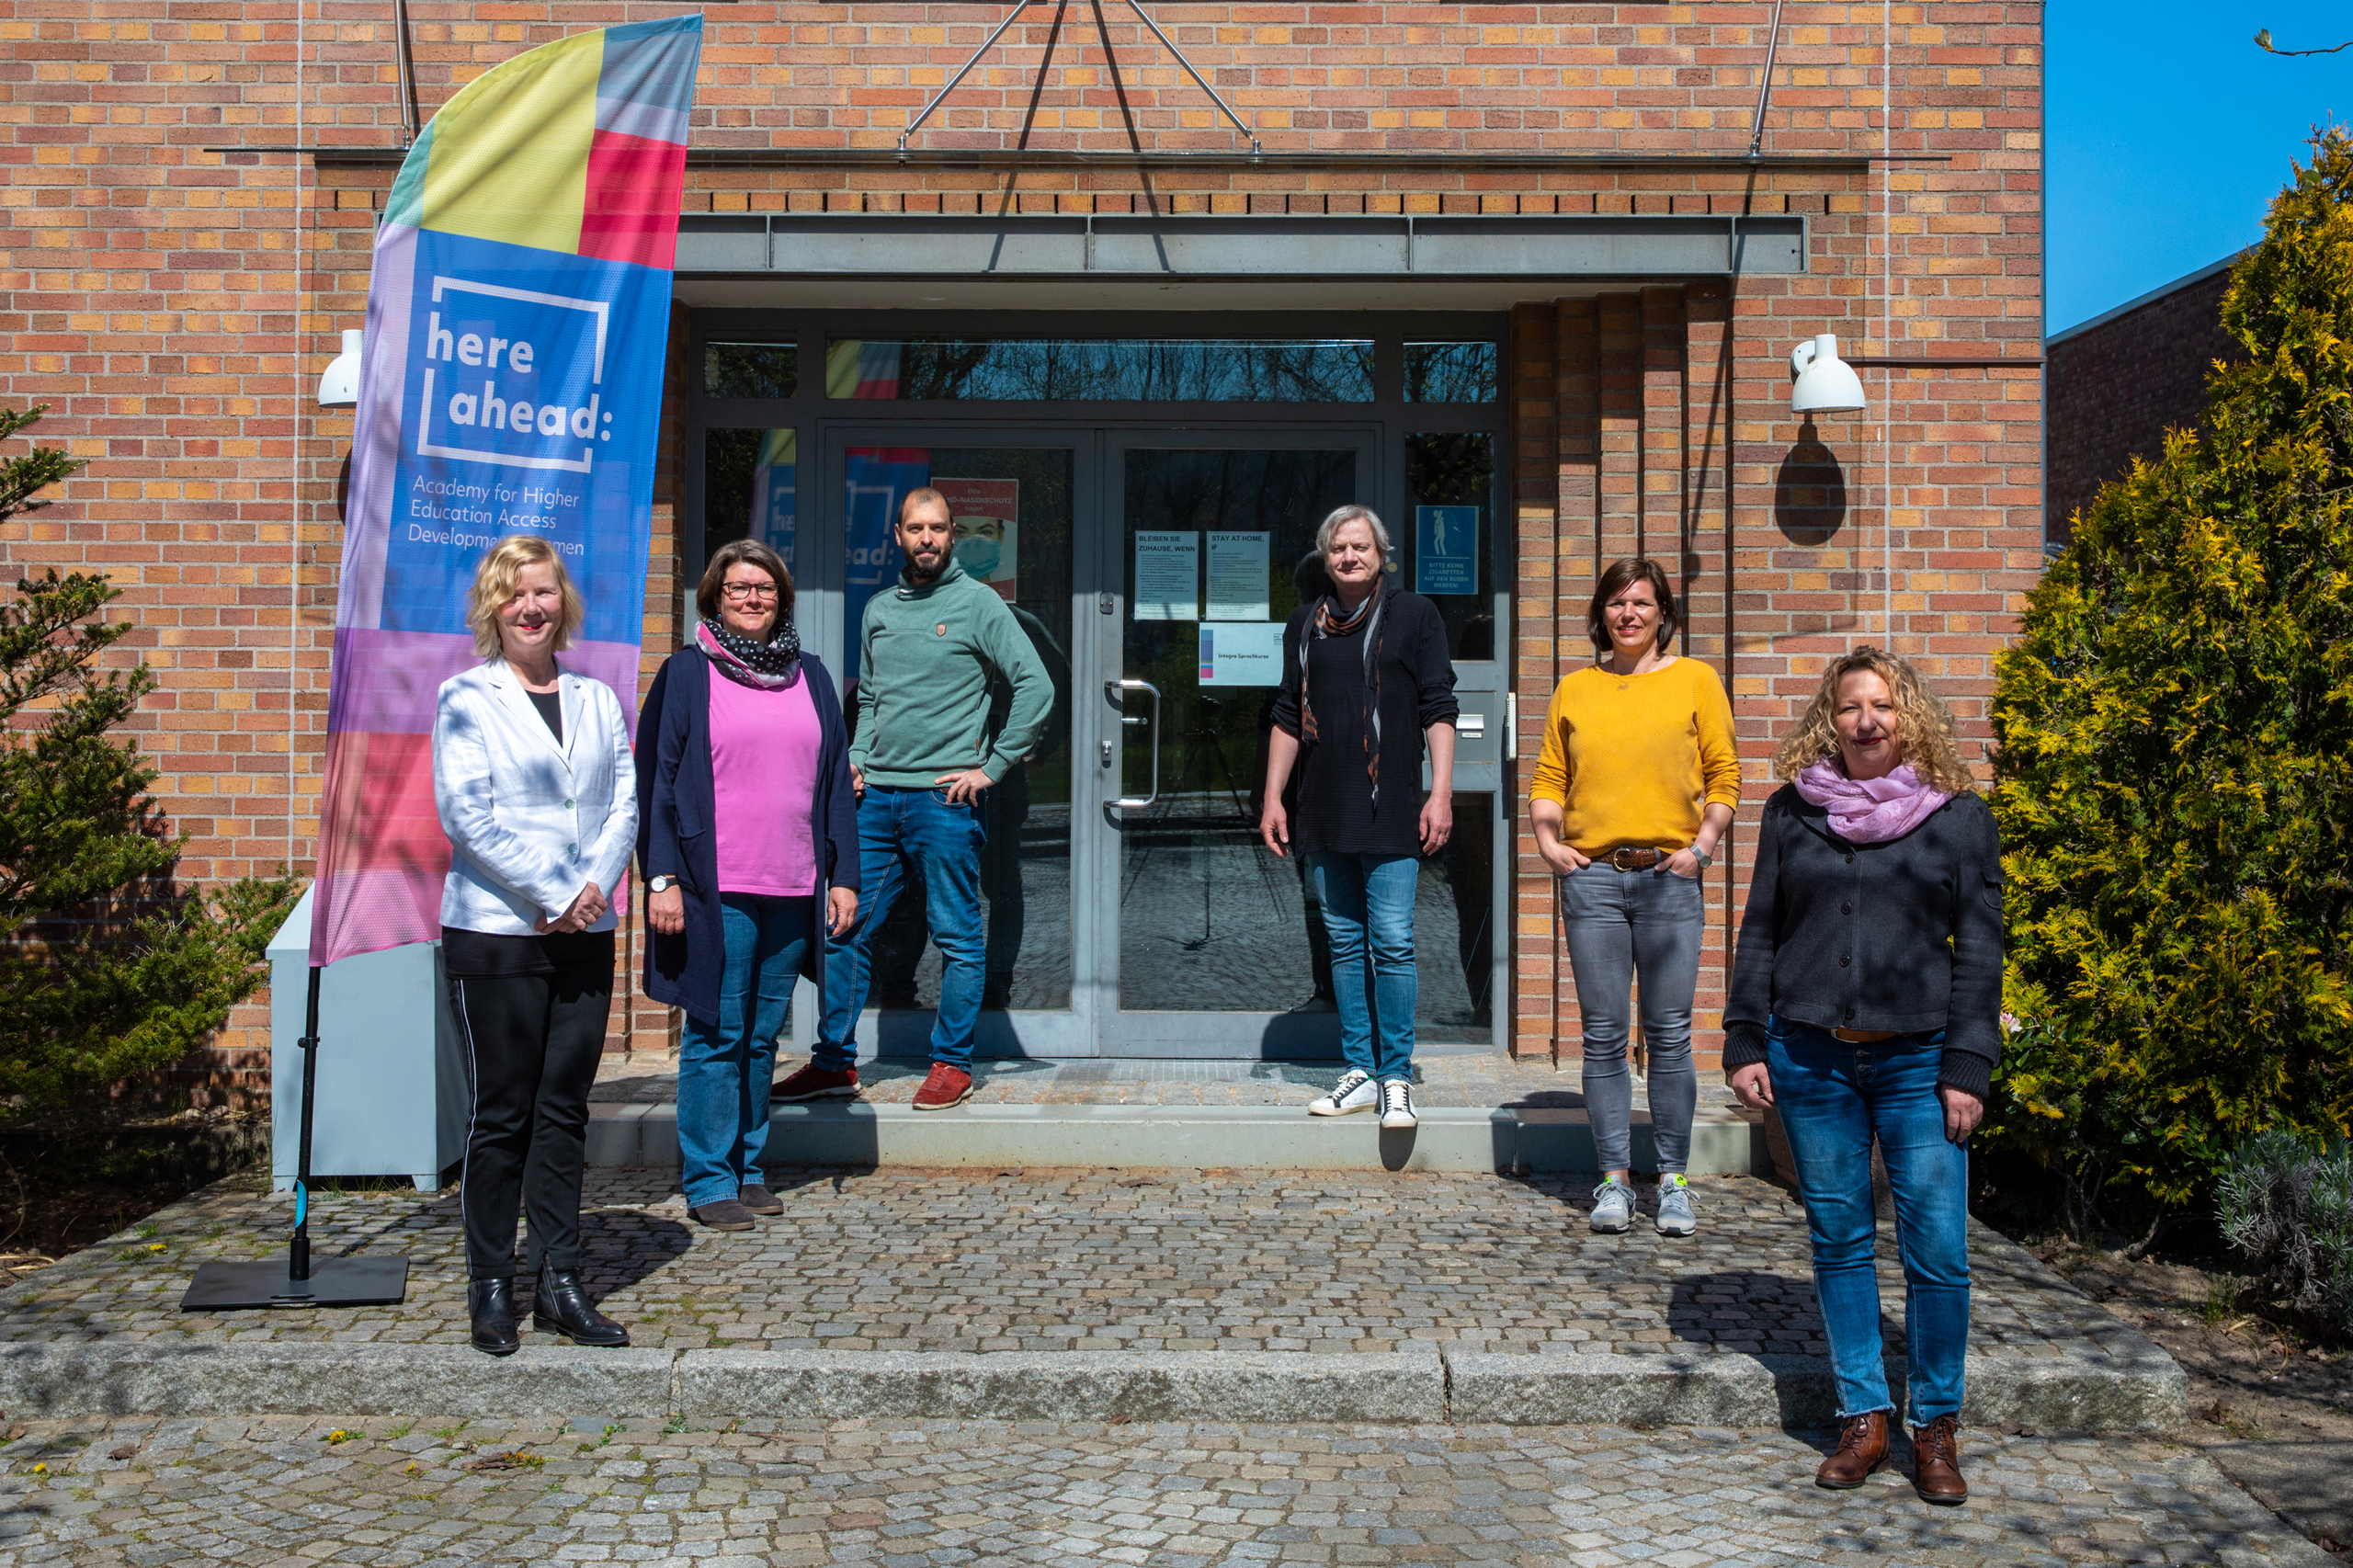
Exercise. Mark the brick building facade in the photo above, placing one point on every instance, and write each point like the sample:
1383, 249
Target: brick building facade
174, 277
2121, 380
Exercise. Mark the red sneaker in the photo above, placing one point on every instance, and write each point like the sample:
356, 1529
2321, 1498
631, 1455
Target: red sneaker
945, 1087
814, 1083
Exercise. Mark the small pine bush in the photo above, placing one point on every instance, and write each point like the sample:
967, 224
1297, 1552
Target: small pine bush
2289, 1210
107, 970
2175, 777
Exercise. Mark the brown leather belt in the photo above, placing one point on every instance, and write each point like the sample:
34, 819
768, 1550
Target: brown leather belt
1628, 857
1863, 1036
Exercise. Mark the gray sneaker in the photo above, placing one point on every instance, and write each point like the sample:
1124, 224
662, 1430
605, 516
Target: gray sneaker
1613, 1207
1674, 1216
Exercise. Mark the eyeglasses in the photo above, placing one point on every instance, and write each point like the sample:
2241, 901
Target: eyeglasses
748, 590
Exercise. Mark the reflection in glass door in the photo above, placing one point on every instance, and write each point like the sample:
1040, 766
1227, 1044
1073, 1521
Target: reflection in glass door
1220, 548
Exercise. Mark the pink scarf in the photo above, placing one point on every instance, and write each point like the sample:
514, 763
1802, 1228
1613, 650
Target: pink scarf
1870, 811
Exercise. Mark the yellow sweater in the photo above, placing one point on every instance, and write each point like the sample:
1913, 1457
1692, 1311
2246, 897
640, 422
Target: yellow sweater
1634, 759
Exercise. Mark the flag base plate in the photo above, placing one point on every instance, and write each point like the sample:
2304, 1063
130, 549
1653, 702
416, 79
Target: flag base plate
363, 1281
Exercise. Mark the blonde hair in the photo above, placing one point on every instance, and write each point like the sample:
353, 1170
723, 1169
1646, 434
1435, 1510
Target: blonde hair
495, 585
1923, 723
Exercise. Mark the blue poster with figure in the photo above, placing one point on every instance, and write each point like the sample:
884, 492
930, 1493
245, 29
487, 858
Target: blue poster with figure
1446, 550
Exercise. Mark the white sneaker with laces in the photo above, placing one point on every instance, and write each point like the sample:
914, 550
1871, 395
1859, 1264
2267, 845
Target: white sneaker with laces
1355, 1091
1397, 1104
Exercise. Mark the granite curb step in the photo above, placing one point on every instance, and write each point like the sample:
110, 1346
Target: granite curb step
2143, 1393
1467, 1140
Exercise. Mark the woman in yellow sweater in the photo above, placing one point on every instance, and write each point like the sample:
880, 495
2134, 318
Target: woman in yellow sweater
1637, 783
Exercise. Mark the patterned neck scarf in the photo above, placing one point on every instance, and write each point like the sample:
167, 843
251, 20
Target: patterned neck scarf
769, 665
1331, 620
1870, 811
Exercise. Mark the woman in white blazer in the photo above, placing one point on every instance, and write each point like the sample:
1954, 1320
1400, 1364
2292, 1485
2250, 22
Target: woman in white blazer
536, 787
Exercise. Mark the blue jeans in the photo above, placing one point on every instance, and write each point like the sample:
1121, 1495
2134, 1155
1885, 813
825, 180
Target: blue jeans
1624, 926
725, 1063
1369, 903
1834, 1097
897, 829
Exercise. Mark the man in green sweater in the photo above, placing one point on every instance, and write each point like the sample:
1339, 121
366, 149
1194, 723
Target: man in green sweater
923, 756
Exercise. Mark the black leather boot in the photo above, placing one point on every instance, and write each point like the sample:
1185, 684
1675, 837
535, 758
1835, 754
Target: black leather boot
561, 1306
491, 1304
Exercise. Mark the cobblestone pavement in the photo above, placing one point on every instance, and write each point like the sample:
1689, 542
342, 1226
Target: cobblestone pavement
1446, 1075
298, 1489
1082, 1260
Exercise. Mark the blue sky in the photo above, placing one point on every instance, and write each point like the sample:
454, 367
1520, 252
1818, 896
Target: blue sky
2168, 133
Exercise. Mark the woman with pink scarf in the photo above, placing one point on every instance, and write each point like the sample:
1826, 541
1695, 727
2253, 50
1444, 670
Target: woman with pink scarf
1866, 1003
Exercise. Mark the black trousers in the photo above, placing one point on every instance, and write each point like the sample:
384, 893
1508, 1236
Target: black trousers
534, 1042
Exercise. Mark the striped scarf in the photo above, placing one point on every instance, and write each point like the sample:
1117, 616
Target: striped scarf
1330, 622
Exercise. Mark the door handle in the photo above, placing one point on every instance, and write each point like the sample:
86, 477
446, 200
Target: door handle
1116, 690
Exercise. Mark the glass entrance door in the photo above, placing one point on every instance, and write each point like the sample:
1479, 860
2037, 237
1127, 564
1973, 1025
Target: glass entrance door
1022, 526
1129, 906
1218, 952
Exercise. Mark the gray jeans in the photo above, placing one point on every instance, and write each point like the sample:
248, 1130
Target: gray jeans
1624, 926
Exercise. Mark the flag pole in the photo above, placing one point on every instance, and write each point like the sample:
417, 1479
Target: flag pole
368, 1279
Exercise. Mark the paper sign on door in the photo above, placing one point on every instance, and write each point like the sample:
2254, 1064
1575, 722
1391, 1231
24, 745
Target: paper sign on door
1168, 576
1242, 652
1446, 550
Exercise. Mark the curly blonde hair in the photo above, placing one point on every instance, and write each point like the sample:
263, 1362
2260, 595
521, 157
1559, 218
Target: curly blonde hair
1923, 723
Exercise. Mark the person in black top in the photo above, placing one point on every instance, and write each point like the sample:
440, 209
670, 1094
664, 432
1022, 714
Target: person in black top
1366, 679
1865, 1004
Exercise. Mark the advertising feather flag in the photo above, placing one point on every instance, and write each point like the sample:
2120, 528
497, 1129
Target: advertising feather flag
511, 383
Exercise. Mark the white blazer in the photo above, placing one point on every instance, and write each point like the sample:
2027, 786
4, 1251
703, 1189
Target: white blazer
530, 823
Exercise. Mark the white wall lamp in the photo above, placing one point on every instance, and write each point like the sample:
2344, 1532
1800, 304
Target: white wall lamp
340, 388
1825, 383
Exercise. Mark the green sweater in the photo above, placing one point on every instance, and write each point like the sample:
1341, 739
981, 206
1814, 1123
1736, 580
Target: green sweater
927, 656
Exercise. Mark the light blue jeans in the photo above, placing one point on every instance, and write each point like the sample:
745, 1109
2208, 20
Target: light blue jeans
942, 840
1368, 910
725, 1063
1834, 1097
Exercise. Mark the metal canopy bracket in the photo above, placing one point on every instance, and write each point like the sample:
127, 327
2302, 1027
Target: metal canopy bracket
1011, 17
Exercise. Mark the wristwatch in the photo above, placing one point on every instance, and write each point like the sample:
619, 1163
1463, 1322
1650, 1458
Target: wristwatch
1701, 856
661, 884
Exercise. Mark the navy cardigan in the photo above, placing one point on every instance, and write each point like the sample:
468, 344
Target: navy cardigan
674, 798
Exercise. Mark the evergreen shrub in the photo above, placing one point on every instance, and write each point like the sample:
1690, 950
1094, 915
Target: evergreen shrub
108, 968
2175, 777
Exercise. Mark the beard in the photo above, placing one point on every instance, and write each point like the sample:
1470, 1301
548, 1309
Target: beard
930, 573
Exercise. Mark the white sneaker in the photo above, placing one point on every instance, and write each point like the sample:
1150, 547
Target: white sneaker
1355, 1091
1397, 1104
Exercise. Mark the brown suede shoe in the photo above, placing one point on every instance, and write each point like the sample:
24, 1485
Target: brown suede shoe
724, 1215
759, 1199
1936, 1462
1862, 1449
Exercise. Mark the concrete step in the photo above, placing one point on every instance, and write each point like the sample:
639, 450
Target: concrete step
863, 1135
2074, 1396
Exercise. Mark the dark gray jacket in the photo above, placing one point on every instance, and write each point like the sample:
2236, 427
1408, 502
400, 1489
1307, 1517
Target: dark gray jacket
1904, 936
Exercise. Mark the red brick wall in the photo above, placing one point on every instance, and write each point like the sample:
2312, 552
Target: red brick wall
2117, 386
175, 307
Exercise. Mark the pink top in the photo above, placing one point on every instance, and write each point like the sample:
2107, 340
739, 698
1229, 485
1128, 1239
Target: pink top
764, 749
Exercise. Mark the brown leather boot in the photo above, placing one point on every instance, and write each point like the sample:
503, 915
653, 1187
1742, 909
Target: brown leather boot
1862, 1449
1936, 1462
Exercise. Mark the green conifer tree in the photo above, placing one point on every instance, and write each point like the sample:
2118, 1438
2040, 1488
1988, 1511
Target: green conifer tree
2176, 766
106, 971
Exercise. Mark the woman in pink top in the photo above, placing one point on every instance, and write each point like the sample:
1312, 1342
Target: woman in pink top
747, 830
